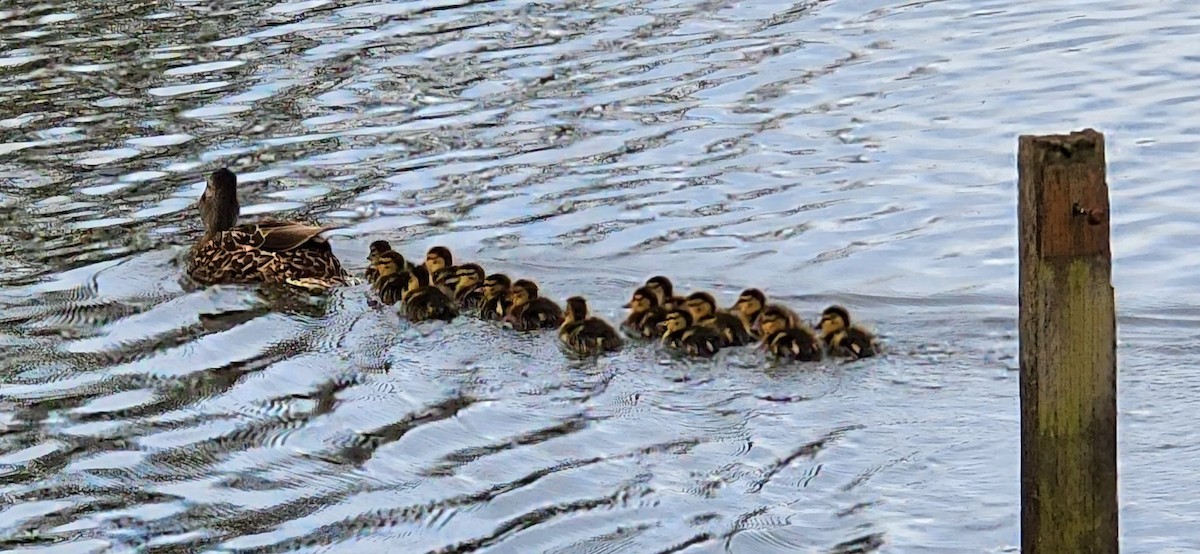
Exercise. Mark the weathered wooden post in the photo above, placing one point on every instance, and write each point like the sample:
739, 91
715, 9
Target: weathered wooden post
1068, 347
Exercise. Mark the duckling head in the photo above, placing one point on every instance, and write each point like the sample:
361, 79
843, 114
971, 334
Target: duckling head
468, 276
378, 247
437, 258
495, 285
833, 319
577, 309
749, 303
661, 287
701, 305
388, 263
418, 277
772, 320
219, 203
677, 320
522, 292
643, 301
446, 277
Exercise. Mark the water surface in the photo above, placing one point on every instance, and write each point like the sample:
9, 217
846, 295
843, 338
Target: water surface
850, 152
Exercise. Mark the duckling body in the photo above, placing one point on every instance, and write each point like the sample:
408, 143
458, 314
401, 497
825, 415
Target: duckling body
682, 334
495, 297
785, 338
585, 335
794, 343
843, 339
424, 301
729, 327
645, 314
445, 279
269, 251
391, 279
468, 286
748, 307
529, 311
377, 247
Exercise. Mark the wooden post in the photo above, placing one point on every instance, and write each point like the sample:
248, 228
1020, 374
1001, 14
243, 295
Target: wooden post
1068, 347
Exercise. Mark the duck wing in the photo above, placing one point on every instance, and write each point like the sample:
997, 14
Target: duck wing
283, 236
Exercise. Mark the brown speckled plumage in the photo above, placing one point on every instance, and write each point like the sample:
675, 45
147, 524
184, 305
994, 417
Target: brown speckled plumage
282, 252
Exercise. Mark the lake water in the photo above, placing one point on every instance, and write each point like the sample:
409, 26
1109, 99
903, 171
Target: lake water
852, 152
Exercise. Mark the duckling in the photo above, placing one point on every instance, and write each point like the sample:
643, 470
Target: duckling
468, 287
424, 301
785, 339
703, 308
437, 258
680, 333
445, 279
378, 247
391, 281
749, 306
269, 251
844, 339
662, 287
495, 297
584, 335
644, 314
528, 311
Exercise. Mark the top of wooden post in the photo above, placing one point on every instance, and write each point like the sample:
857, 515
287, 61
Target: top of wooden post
1063, 179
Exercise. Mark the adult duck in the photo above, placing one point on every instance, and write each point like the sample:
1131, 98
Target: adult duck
268, 251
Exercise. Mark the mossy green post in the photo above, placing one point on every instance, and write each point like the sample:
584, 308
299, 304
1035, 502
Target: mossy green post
1068, 347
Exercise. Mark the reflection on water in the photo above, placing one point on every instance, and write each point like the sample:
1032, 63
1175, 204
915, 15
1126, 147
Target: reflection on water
857, 152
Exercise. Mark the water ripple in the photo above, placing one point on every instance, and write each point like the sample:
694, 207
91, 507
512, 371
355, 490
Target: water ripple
858, 153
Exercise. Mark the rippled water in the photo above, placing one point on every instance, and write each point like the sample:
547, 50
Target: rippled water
858, 152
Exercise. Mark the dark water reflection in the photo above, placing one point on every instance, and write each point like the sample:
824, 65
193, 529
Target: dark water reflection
859, 152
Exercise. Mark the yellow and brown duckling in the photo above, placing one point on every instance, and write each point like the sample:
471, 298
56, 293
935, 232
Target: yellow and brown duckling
665, 290
269, 251
391, 281
681, 333
749, 307
437, 258
784, 338
844, 339
527, 310
377, 247
494, 294
644, 314
424, 301
584, 334
468, 286
703, 308
445, 279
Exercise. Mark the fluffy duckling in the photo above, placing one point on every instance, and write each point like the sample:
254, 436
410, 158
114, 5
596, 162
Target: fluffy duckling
468, 286
425, 301
445, 279
391, 281
662, 287
644, 314
494, 293
703, 308
750, 305
844, 339
378, 247
584, 335
528, 311
680, 333
783, 338
437, 258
